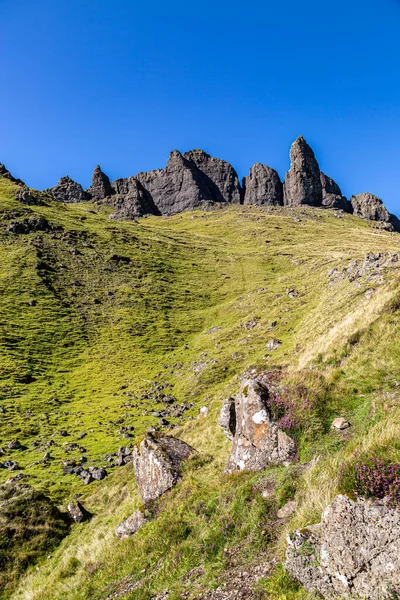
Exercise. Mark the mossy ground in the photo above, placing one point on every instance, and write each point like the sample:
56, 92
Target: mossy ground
121, 305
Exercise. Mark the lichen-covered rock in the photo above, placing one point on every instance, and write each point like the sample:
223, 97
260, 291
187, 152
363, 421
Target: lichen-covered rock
332, 196
77, 511
131, 200
68, 190
353, 553
178, 187
258, 442
370, 207
220, 177
227, 418
302, 182
263, 186
101, 186
131, 525
157, 464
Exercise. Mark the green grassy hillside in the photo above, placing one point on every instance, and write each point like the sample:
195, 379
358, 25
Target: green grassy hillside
101, 318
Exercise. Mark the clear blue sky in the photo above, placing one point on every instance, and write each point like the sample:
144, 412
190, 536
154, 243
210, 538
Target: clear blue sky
121, 83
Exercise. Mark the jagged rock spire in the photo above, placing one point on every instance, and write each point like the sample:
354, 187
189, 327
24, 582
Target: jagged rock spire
101, 187
302, 182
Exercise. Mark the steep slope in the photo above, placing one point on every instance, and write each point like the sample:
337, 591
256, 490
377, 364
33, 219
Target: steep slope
103, 319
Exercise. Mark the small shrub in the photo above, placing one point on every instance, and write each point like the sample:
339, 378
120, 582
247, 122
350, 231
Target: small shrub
372, 477
295, 408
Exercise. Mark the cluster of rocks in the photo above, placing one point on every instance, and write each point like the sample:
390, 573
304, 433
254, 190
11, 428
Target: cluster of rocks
353, 553
372, 268
87, 475
195, 179
30, 225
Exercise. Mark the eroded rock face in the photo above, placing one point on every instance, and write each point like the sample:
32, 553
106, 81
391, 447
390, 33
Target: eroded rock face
370, 207
131, 525
258, 442
332, 196
157, 464
302, 182
68, 190
227, 418
263, 186
220, 177
178, 187
101, 186
353, 553
131, 200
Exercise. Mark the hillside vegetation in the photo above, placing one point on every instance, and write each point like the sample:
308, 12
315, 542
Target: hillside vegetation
100, 316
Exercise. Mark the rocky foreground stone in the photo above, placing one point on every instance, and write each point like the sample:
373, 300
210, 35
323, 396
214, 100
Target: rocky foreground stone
257, 440
353, 553
157, 464
195, 179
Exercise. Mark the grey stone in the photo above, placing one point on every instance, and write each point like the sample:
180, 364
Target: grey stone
98, 473
332, 196
263, 186
227, 418
131, 525
77, 512
178, 187
68, 190
340, 423
157, 464
258, 442
219, 176
371, 208
353, 553
131, 200
101, 187
302, 182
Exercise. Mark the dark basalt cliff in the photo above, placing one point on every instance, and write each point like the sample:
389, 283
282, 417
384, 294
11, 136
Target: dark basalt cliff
191, 179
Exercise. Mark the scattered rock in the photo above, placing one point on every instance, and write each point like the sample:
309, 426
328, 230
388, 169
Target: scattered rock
292, 293
77, 511
287, 510
131, 525
14, 445
258, 442
273, 345
340, 423
263, 186
98, 473
203, 412
352, 553
157, 464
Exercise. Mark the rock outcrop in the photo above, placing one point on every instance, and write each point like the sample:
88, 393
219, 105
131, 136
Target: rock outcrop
4, 172
258, 442
303, 181
68, 190
227, 418
77, 511
370, 207
131, 200
178, 187
101, 186
131, 525
332, 196
262, 187
157, 464
353, 553
220, 177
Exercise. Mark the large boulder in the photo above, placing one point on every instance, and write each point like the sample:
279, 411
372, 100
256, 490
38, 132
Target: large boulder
258, 442
68, 190
220, 177
353, 553
157, 464
370, 207
332, 196
302, 182
131, 525
131, 200
263, 186
178, 187
101, 186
